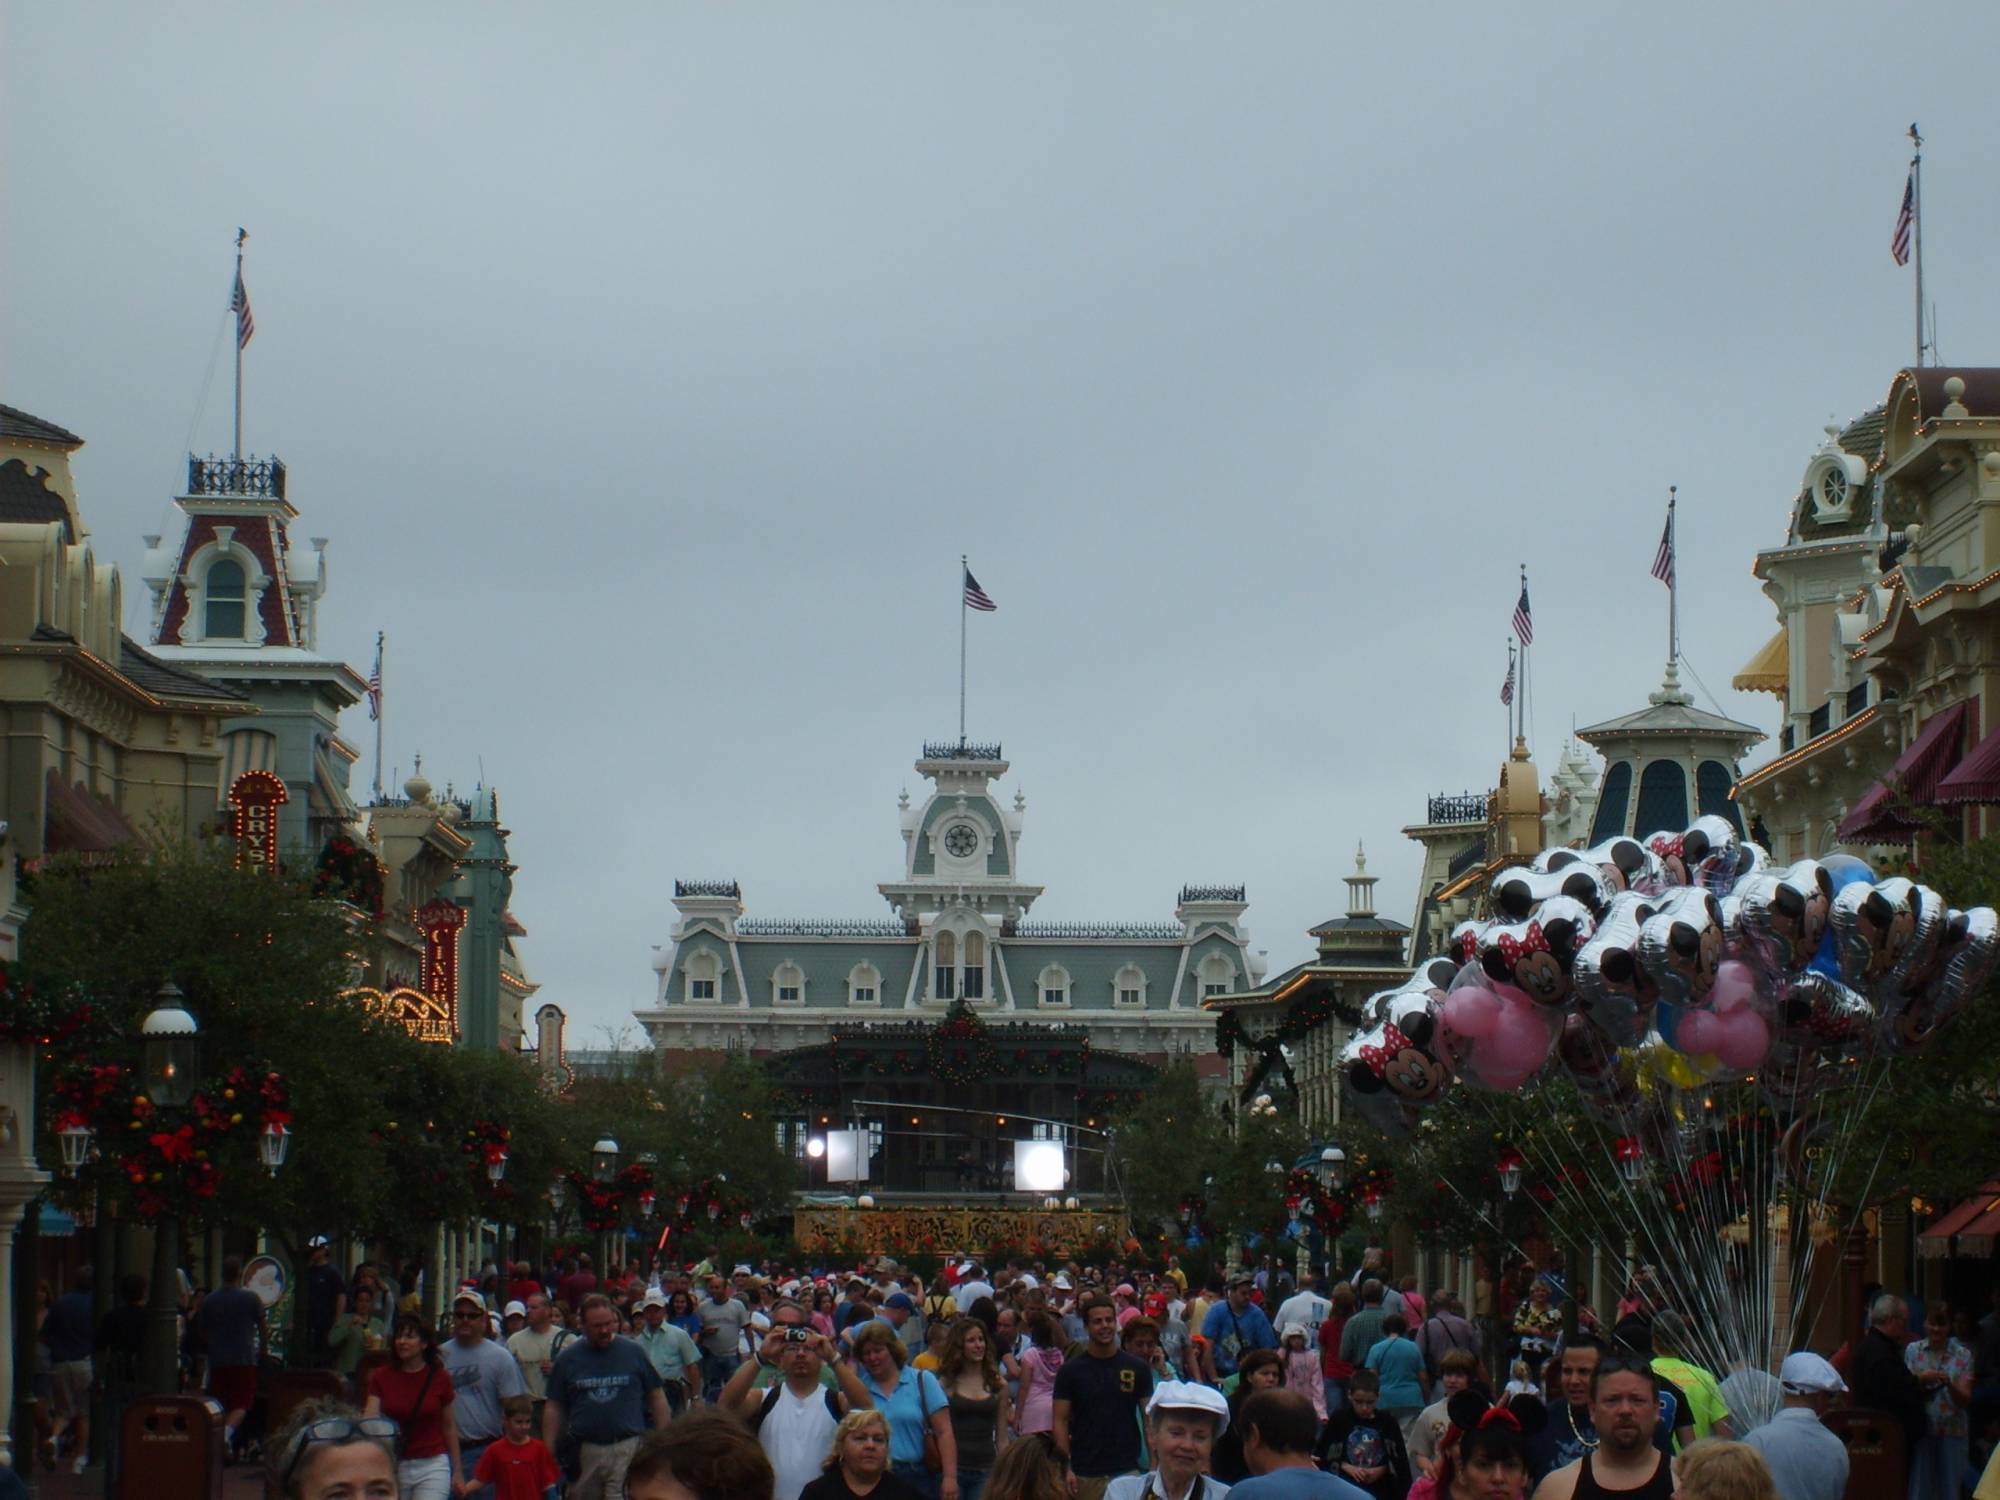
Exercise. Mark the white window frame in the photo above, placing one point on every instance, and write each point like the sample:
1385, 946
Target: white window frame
972, 976
864, 979
194, 581
1129, 980
944, 965
1216, 975
1053, 979
788, 976
701, 967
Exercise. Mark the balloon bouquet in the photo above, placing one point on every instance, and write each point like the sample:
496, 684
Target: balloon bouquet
1684, 957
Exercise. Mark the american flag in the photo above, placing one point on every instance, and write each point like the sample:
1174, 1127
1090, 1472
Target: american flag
375, 683
1906, 218
1524, 624
239, 303
1507, 687
1663, 560
975, 596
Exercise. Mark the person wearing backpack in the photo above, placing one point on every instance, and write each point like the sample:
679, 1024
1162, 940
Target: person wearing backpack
794, 1418
1445, 1329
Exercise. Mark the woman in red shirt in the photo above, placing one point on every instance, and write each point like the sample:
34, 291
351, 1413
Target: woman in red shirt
415, 1389
1334, 1370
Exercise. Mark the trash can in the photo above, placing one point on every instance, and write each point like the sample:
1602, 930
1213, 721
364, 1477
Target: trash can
172, 1449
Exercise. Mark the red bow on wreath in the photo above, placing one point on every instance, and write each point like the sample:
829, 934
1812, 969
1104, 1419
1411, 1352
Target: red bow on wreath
175, 1146
1512, 948
1379, 1058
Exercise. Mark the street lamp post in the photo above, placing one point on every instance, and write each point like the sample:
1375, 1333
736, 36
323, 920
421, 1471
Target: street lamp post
604, 1167
172, 1039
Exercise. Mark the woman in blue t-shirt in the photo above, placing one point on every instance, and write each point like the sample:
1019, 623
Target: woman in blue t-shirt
912, 1401
1399, 1364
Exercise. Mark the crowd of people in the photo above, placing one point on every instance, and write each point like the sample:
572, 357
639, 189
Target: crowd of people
1035, 1383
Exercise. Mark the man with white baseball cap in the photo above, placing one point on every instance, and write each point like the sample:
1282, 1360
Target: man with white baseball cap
1183, 1420
673, 1352
483, 1374
1807, 1461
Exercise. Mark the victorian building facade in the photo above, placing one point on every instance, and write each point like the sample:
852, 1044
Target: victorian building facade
958, 999
98, 737
1888, 591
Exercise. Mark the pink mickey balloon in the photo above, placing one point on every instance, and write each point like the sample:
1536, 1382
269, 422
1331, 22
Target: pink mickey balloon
1700, 1033
1735, 985
1743, 1039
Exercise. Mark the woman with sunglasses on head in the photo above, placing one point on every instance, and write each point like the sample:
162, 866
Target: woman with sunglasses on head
414, 1389
328, 1451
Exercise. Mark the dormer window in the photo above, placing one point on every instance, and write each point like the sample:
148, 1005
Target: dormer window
1054, 987
224, 601
974, 987
703, 971
788, 985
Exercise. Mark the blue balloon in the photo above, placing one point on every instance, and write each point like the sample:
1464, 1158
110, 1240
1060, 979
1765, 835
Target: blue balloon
1667, 1019
1254, 1242
1194, 1239
1845, 869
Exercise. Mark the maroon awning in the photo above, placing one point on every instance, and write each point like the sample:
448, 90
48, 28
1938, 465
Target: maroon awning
78, 821
1935, 1243
1913, 780
1976, 778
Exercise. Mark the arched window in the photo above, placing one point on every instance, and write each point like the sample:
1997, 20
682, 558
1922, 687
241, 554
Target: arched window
864, 985
1663, 799
1128, 987
1054, 986
788, 984
704, 975
1218, 975
223, 600
1712, 783
1611, 803
944, 949
974, 987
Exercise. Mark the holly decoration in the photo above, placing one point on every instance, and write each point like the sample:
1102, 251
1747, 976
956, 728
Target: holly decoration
347, 872
36, 1019
167, 1157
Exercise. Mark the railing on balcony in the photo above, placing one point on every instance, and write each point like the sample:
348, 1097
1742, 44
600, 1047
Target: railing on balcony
1857, 698
1213, 893
959, 750
1466, 807
260, 478
1820, 722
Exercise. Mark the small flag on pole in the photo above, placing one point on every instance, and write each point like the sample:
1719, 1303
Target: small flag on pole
1507, 687
1663, 560
375, 683
239, 303
1524, 624
1906, 218
975, 596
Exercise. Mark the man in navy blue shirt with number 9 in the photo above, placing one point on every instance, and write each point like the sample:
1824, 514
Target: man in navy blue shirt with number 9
1099, 1395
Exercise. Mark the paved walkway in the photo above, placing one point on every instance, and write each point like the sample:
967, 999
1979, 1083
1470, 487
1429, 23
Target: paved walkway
239, 1482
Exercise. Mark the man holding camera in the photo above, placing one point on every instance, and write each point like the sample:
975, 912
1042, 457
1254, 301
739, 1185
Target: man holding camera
794, 1418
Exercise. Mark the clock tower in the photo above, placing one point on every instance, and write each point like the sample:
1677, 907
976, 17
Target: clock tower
960, 845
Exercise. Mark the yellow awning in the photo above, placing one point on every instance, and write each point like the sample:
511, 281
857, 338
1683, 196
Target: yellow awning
1769, 671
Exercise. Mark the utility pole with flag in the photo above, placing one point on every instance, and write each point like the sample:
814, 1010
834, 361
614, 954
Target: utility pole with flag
970, 597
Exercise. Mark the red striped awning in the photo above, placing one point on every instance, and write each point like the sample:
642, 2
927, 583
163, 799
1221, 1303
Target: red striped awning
1976, 778
1913, 780
1972, 1224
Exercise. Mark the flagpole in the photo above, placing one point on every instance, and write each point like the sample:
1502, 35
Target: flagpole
963, 564
378, 716
1521, 731
236, 446
1673, 582
1917, 229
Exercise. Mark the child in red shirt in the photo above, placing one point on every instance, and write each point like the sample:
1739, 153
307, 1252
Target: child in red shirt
520, 1467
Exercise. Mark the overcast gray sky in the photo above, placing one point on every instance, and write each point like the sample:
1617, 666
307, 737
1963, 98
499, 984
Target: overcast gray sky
650, 365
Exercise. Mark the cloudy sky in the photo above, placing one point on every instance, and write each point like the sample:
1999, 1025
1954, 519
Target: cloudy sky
650, 365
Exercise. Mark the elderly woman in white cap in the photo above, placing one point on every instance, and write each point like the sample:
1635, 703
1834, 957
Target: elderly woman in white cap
1183, 1420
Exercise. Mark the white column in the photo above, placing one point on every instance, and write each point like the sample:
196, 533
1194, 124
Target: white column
20, 1180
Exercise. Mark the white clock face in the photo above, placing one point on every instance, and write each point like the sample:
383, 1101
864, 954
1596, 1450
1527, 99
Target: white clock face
960, 841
